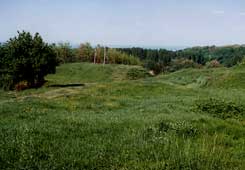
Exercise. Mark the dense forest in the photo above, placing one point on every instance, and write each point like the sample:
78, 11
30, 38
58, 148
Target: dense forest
225, 55
158, 60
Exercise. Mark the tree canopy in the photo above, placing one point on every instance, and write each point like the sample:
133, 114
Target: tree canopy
25, 58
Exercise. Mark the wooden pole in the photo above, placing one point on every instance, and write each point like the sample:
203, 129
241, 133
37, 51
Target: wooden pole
95, 54
104, 55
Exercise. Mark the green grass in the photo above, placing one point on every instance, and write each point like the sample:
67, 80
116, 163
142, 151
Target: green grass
89, 73
116, 123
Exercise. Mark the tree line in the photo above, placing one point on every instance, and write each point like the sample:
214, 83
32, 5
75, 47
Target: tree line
26, 59
161, 60
226, 55
99, 54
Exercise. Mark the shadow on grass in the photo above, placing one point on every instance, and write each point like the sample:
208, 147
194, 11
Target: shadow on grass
66, 85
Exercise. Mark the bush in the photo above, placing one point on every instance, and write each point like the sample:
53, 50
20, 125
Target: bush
154, 66
243, 61
213, 64
181, 128
26, 58
220, 108
233, 60
182, 63
137, 73
21, 86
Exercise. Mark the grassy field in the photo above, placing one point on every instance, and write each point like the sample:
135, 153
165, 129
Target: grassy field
190, 119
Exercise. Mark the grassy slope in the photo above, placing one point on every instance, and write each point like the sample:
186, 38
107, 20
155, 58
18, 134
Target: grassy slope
88, 73
113, 123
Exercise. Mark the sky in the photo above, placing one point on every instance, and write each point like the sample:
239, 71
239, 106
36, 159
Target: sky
144, 23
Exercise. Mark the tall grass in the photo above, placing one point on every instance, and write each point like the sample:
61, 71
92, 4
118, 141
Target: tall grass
149, 123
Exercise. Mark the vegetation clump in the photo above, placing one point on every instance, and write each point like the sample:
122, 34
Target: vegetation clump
213, 64
182, 63
242, 62
220, 108
178, 128
25, 58
181, 128
65, 53
161, 60
137, 73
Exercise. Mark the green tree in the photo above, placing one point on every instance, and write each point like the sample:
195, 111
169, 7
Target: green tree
1, 55
99, 53
64, 53
85, 52
118, 57
26, 58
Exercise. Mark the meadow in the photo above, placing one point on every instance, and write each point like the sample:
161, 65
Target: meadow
189, 119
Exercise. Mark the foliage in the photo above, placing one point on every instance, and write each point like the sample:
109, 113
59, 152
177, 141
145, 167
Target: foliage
150, 54
141, 53
182, 128
100, 52
117, 57
85, 52
64, 53
181, 63
1, 58
137, 73
26, 58
226, 55
159, 59
213, 64
220, 108
195, 54
243, 61
21, 86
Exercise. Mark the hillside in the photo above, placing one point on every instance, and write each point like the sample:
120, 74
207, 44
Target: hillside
190, 119
89, 73
217, 77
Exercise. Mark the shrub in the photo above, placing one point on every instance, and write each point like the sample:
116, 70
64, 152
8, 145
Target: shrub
21, 86
154, 66
178, 128
181, 128
243, 61
220, 108
182, 63
137, 73
213, 64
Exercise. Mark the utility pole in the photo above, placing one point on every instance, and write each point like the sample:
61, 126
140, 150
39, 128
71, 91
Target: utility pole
104, 55
95, 54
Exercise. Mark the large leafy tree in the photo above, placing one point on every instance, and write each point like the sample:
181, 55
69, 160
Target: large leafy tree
25, 58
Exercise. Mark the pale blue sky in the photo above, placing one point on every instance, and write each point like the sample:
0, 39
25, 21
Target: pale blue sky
127, 22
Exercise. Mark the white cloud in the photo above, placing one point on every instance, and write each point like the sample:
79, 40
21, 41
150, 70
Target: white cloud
218, 12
